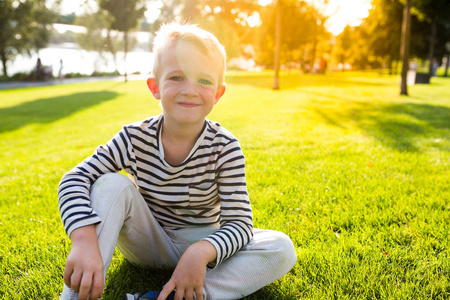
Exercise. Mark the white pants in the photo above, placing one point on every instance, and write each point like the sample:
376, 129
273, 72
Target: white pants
128, 223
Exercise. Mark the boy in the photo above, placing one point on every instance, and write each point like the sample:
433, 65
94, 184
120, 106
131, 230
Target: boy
188, 207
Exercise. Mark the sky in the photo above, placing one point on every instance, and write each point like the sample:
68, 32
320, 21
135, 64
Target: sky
340, 12
346, 12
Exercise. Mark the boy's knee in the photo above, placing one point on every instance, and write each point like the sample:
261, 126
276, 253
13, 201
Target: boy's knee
287, 250
108, 186
282, 248
111, 181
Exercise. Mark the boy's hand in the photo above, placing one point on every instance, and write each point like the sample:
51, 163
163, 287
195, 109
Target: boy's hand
84, 265
189, 275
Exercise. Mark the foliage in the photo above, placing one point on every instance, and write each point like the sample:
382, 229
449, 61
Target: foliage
60, 38
433, 10
352, 48
227, 19
24, 27
421, 38
382, 30
20, 76
99, 36
66, 19
124, 16
236, 13
226, 34
356, 175
299, 26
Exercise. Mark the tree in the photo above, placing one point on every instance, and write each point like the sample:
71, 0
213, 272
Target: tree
99, 36
125, 16
224, 32
297, 22
227, 19
382, 29
345, 40
435, 13
405, 45
25, 26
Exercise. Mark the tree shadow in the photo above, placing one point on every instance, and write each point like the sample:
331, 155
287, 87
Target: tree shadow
47, 110
397, 126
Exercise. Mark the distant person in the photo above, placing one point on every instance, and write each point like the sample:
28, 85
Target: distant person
39, 70
434, 67
413, 65
61, 68
187, 207
322, 65
412, 73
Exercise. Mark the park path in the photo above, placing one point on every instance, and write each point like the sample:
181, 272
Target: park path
26, 84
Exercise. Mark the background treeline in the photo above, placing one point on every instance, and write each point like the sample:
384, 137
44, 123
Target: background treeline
246, 28
376, 42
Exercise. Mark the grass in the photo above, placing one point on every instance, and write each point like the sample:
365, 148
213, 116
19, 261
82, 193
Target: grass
355, 174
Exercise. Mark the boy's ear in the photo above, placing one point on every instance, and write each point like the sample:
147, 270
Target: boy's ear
220, 91
153, 86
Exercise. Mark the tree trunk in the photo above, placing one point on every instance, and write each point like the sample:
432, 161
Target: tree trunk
4, 61
405, 43
276, 55
125, 37
431, 46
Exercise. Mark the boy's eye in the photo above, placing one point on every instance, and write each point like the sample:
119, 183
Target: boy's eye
176, 78
204, 81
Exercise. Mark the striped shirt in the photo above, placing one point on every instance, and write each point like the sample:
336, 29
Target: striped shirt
207, 189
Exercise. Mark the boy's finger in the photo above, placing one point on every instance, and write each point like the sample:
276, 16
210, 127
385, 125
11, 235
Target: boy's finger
199, 293
189, 294
67, 275
97, 286
167, 289
85, 286
179, 294
75, 281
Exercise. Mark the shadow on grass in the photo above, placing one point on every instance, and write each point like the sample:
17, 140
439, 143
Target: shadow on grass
47, 110
397, 126
127, 278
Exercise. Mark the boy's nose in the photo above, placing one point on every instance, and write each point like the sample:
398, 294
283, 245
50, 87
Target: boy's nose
190, 88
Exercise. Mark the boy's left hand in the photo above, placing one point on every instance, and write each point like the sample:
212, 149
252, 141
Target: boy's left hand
189, 275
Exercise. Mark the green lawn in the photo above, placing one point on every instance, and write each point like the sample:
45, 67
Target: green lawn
356, 175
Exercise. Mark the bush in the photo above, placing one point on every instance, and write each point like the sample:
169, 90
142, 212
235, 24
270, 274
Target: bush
20, 76
101, 74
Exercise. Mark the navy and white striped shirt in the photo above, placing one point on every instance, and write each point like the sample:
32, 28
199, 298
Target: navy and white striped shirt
207, 189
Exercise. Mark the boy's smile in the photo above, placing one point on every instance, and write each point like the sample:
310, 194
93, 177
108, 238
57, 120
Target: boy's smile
188, 84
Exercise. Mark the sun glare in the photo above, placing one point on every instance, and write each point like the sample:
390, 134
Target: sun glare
340, 13
346, 12
264, 2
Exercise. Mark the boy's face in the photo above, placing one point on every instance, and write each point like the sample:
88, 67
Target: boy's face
188, 83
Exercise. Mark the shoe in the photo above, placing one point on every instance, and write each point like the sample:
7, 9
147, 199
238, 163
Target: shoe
151, 295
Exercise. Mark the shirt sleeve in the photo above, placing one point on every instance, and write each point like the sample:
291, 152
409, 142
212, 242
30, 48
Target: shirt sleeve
236, 228
74, 188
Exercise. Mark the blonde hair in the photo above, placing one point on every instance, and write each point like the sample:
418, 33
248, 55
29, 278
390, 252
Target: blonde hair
169, 34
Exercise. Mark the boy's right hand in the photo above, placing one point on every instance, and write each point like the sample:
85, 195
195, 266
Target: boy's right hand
84, 266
